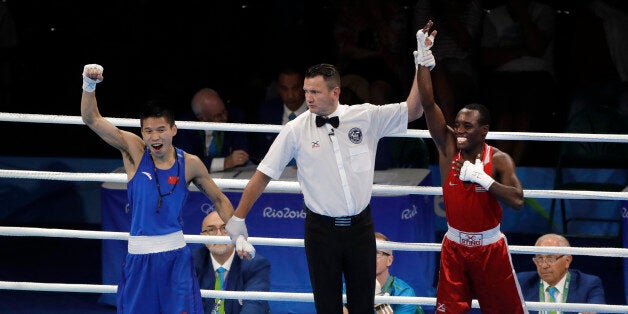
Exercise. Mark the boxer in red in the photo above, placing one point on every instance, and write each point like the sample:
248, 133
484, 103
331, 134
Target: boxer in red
475, 261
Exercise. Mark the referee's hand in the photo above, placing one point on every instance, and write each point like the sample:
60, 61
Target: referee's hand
236, 227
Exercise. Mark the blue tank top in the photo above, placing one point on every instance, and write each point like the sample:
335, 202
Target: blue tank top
147, 216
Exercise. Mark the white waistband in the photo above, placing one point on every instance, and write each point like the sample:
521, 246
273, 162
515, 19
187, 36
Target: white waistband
472, 239
156, 244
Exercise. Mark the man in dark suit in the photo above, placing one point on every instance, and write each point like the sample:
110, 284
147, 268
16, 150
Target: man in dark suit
553, 281
280, 110
215, 261
218, 150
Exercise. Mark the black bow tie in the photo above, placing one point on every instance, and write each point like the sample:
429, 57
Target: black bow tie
334, 121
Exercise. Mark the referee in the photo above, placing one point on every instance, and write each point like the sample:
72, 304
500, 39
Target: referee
334, 146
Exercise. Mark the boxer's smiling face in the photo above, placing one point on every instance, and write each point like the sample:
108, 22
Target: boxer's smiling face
157, 134
469, 133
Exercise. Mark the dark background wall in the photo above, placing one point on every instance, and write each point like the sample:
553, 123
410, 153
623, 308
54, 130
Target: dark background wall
156, 49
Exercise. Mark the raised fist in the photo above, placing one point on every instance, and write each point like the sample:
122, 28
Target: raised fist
92, 75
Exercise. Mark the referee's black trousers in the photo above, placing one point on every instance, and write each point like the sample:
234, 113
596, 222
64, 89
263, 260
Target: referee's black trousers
332, 250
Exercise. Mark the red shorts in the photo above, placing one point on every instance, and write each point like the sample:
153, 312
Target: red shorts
485, 272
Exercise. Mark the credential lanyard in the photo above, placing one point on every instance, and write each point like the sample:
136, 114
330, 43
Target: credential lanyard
388, 284
565, 290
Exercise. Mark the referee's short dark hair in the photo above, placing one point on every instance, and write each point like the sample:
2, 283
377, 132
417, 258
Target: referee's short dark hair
327, 71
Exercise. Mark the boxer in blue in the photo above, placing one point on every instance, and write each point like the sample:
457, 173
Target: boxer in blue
158, 274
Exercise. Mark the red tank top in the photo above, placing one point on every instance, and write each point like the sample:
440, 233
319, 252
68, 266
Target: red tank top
471, 208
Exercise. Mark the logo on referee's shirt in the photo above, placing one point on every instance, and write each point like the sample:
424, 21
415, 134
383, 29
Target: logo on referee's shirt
355, 135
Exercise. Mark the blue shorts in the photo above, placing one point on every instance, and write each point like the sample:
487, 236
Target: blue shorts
163, 282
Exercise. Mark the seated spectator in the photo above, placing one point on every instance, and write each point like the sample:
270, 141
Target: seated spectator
214, 262
219, 150
388, 284
280, 110
553, 281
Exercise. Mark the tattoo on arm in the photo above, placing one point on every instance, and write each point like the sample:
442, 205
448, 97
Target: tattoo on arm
201, 188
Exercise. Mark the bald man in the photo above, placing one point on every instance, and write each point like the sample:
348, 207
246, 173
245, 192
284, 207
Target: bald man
239, 275
218, 150
552, 271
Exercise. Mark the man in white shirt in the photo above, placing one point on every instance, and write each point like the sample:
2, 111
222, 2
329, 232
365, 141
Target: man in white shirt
334, 146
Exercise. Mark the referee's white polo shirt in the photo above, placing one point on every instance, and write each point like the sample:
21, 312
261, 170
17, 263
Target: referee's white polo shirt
319, 174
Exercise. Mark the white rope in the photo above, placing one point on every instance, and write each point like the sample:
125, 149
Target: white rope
64, 176
270, 128
301, 297
291, 186
387, 245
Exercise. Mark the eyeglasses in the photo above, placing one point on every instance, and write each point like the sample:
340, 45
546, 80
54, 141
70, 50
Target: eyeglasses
382, 253
550, 260
213, 230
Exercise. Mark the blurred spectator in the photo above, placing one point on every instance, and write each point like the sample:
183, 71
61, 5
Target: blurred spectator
370, 38
455, 79
219, 150
517, 48
389, 285
392, 285
279, 110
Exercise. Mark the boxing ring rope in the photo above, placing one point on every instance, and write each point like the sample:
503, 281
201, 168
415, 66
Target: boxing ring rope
303, 297
388, 245
285, 186
281, 186
269, 128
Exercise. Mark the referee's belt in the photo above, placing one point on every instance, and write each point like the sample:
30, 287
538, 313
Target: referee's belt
472, 239
344, 221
